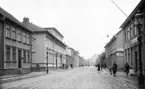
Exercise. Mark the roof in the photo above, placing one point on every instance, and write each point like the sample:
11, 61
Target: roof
33, 27
12, 18
140, 6
37, 29
52, 28
111, 41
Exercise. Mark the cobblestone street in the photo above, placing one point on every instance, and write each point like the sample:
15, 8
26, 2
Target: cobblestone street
77, 78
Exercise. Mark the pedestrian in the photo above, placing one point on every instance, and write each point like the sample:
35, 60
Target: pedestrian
127, 68
99, 67
71, 66
63, 66
114, 68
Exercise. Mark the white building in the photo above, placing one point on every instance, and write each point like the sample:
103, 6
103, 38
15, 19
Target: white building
47, 43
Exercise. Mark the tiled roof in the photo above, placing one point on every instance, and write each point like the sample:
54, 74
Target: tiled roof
12, 18
33, 27
37, 29
111, 41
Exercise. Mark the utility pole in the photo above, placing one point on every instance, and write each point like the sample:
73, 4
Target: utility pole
121, 10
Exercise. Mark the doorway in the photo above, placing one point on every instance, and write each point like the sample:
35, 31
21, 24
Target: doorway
19, 59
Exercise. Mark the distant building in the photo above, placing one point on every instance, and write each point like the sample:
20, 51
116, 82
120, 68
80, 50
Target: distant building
15, 45
102, 59
55, 33
81, 61
94, 60
115, 50
110, 50
69, 56
76, 59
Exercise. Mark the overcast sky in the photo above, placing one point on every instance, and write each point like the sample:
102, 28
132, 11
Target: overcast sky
83, 23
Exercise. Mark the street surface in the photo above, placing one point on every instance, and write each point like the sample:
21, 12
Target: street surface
77, 78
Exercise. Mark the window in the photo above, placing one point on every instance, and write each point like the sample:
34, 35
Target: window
28, 56
24, 56
132, 56
135, 31
8, 52
24, 37
27, 39
19, 35
7, 30
13, 33
125, 36
131, 33
13, 54
128, 33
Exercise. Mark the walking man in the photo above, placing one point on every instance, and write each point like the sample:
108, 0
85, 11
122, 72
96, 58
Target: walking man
127, 67
99, 67
114, 68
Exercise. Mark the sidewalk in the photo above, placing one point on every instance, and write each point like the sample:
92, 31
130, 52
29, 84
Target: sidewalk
128, 79
15, 77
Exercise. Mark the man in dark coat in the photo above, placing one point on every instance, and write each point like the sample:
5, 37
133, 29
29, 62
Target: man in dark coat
114, 68
71, 66
127, 67
99, 67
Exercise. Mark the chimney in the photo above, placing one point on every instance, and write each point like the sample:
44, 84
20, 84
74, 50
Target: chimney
26, 20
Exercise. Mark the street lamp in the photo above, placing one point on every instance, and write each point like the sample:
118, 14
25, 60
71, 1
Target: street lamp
47, 63
56, 59
138, 23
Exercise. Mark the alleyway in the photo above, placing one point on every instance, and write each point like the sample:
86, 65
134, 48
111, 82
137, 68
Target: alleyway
77, 78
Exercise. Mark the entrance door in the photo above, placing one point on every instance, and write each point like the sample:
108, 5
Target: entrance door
19, 59
136, 61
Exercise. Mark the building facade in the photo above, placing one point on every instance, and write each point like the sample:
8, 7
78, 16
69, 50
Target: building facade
76, 59
131, 38
15, 45
120, 49
110, 50
81, 61
47, 48
115, 50
69, 56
